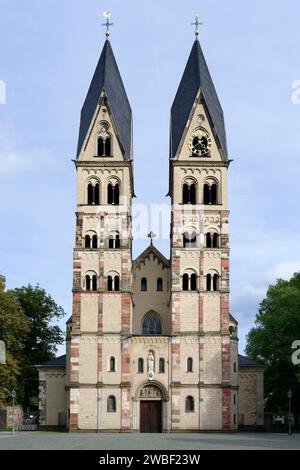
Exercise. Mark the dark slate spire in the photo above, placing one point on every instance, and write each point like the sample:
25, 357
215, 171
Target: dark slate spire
107, 78
196, 77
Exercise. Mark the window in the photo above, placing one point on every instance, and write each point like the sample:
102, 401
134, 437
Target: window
113, 283
94, 282
104, 147
140, 365
111, 404
208, 240
113, 194
152, 324
112, 364
189, 405
93, 194
234, 367
189, 365
161, 365
234, 398
189, 282
234, 418
144, 284
189, 240
210, 193
95, 242
212, 282
215, 243
87, 282
114, 240
193, 281
159, 284
87, 242
185, 282
189, 193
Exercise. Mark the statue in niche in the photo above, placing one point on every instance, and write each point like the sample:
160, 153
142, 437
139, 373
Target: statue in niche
151, 362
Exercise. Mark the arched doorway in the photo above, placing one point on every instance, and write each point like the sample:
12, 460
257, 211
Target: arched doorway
151, 397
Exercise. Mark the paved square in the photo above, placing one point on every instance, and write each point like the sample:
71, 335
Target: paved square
115, 441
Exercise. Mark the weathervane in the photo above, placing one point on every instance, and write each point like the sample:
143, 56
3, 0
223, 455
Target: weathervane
151, 235
196, 24
108, 24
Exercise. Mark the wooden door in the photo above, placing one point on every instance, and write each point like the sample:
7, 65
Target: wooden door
150, 416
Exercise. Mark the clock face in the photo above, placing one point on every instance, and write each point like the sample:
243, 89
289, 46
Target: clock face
200, 143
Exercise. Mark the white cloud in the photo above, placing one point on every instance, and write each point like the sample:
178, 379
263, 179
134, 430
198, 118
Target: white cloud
283, 270
13, 162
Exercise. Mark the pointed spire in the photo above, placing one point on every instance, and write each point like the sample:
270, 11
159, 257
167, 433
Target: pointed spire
107, 84
196, 77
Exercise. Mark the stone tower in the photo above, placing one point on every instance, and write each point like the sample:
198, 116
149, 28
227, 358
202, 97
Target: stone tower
98, 366
204, 352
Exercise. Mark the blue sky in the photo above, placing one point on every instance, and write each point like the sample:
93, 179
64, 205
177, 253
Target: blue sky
49, 50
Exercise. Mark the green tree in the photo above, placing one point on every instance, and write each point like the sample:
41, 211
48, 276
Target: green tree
277, 326
13, 330
42, 339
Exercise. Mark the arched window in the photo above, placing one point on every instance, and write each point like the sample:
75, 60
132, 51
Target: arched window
213, 194
215, 243
161, 367
113, 283
111, 404
189, 193
152, 325
140, 365
159, 284
104, 147
112, 364
109, 283
185, 282
87, 282
93, 194
95, 242
117, 283
208, 282
94, 282
189, 404
193, 281
144, 284
189, 364
113, 194
189, 240
208, 240
216, 282
87, 242
114, 240
210, 193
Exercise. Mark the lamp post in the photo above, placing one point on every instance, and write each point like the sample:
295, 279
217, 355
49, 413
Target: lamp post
290, 394
13, 394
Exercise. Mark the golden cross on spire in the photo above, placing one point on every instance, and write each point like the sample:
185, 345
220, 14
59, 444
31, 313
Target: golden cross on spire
107, 24
197, 24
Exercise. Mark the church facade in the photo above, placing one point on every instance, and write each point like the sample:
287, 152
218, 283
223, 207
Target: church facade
151, 344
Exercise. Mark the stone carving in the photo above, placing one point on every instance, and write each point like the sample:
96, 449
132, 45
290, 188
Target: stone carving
151, 363
150, 391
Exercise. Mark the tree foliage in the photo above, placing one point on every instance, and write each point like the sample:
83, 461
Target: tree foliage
40, 343
277, 326
14, 327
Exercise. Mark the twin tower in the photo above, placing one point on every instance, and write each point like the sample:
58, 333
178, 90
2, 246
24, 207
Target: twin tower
151, 346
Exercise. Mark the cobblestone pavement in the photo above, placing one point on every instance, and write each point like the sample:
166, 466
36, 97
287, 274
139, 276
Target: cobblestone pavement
84, 441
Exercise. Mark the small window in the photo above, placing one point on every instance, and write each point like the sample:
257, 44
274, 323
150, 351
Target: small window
234, 418
159, 284
234, 367
140, 365
194, 281
189, 194
94, 282
112, 364
113, 194
161, 365
93, 194
208, 240
189, 365
216, 282
234, 398
185, 282
189, 240
111, 404
117, 283
87, 242
215, 242
114, 240
208, 282
87, 282
109, 283
95, 242
206, 194
104, 147
144, 284
189, 405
